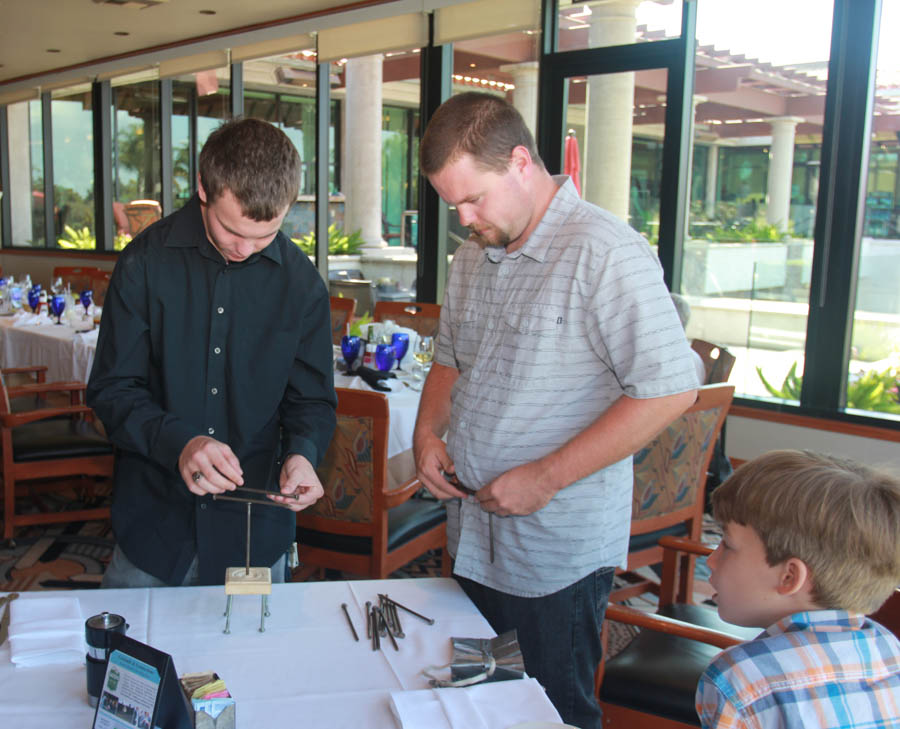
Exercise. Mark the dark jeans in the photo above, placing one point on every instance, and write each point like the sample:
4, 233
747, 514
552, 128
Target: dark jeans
559, 635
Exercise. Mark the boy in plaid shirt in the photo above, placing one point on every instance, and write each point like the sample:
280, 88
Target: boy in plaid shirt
811, 544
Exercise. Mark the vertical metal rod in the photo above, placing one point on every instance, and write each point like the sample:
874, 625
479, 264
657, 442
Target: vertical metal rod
247, 566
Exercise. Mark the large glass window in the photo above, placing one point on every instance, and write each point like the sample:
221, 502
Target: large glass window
37, 235
759, 107
874, 373
601, 23
73, 168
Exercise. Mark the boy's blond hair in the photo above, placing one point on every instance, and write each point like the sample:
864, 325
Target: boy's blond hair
841, 518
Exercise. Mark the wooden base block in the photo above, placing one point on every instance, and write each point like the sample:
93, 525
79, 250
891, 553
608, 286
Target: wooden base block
257, 582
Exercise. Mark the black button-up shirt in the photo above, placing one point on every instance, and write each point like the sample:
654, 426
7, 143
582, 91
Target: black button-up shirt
188, 346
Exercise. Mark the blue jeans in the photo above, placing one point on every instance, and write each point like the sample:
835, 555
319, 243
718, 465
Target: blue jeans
121, 572
559, 635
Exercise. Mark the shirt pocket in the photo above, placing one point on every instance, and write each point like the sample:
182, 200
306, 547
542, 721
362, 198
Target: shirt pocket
533, 341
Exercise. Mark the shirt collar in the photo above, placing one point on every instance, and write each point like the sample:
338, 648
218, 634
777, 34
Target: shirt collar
541, 238
821, 620
188, 232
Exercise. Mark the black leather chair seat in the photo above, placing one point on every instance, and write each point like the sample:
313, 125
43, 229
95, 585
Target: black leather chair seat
66, 438
405, 522
658, 673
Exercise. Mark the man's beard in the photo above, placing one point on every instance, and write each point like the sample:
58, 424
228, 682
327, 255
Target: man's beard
502, 240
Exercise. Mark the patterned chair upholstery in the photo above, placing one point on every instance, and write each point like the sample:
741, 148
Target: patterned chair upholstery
360, 526
669, 484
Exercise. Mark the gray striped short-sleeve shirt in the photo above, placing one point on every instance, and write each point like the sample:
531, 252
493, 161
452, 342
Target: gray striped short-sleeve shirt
545, 339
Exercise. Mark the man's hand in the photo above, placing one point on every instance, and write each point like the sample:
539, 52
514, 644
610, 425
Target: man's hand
522, 490
299, 484
209, 466
432, 462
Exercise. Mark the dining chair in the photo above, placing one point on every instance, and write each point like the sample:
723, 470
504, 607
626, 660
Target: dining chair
422, 317
717, 360
341, 315
359, 525
669, 487
78, 278
141, 213
651, 683
99, 286
49, 448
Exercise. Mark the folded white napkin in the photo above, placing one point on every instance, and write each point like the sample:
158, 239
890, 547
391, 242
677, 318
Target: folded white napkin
49, 630
29, 319
496, 705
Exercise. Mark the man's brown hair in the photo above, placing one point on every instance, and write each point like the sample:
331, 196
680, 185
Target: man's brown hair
840, 517
481, 125
256, 162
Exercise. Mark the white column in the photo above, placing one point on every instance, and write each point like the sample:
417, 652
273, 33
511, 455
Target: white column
362, 186
20, 200
712, 181
525, 95
781, 166
608, 118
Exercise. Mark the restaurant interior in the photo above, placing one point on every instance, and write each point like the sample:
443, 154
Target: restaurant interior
756, 149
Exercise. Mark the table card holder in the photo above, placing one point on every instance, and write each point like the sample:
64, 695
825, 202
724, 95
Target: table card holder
141, 688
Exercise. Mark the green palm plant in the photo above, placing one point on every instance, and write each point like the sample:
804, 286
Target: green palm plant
871, 390
339, 243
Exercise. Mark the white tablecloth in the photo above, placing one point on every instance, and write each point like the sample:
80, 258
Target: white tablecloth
304, 671
68, 355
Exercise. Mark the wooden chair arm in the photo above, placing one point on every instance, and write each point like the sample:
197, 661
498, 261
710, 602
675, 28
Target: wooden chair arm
13, 420
671, 626
404, 492
680, 544
37, 388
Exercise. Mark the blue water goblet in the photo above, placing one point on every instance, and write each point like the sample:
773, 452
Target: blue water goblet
34, 298
58, 306
400, 343
350, 346
384, 357
85, 297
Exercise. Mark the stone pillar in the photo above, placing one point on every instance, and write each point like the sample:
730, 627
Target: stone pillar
781, 167
20, 199
712, 181
608, 113
525, 96
362, 179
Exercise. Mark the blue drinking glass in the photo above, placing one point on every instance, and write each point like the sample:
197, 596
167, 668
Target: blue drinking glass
58, 306
85, 298
34, 297
400, 343
350, 346
384, 357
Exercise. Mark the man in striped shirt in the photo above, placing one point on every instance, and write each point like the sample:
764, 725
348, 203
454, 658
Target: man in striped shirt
559, 355
812, 544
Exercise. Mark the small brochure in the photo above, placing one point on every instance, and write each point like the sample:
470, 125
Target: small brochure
129, 694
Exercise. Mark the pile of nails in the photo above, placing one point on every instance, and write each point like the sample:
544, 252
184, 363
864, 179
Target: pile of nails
383, 620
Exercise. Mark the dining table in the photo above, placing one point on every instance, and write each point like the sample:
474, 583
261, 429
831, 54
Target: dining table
28, 339
306, 669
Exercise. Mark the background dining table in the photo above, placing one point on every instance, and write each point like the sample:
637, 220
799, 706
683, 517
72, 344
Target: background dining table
68, 354
306, 670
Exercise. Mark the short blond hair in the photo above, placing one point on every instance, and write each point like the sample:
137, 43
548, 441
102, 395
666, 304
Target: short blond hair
840, 517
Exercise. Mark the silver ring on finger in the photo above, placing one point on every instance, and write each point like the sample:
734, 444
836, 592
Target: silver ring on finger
196, 476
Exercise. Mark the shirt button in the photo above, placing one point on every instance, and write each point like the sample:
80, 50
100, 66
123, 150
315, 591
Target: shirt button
217, 350
211, 431
462, 425
215, 391
220, 310
202, 506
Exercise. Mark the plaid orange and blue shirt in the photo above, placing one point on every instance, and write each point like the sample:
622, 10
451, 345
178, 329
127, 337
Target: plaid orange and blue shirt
827, 669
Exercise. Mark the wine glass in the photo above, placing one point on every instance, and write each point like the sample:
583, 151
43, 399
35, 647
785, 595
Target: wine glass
400, 343
85, 298
56, 287
34, 298
424, 352
58, 306
384, 357
350, 345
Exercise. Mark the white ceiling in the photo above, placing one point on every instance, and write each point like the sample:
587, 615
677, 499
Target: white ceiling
85, 31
